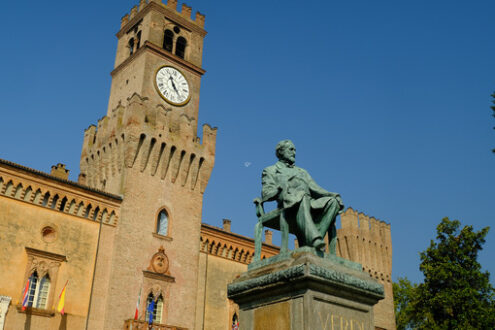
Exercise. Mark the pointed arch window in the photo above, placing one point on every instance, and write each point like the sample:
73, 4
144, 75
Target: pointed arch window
235, 322
131, 46
38, 291
180, 47
162, 223
46, 199
138, 36
154, 309
168, 40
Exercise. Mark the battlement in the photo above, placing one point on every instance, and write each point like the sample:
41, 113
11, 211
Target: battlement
366, 240
171, 6
351, 218
154, 139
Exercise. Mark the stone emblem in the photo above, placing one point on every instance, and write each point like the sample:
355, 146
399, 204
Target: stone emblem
159, 262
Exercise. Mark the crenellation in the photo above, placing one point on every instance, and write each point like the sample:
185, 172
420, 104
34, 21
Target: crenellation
186, 11
200, 19
374, 226
364, 222
133, 13
349, 219
370, 242
172, 4
144, 148
124, 20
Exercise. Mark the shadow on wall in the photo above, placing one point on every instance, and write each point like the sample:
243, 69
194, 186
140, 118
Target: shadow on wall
63, 323
27, 324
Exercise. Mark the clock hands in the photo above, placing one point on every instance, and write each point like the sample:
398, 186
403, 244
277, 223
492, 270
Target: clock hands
173, 85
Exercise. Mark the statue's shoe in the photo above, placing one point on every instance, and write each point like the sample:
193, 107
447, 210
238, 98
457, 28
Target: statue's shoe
319, 244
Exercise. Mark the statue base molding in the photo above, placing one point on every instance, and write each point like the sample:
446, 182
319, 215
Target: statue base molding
301, 290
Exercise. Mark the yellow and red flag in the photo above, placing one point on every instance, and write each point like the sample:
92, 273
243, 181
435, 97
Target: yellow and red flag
61, 300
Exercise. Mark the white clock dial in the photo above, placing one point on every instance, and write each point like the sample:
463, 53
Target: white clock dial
172, 85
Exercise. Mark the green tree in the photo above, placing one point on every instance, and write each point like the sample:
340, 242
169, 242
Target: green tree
456, 293
404, 292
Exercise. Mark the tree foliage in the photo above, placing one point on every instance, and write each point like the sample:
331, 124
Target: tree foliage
404, 292
456, 293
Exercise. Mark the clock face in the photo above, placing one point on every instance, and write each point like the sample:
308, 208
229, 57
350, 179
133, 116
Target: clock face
172, 85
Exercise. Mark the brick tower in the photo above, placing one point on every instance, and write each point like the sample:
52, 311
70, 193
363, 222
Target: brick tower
146, 149
368, 241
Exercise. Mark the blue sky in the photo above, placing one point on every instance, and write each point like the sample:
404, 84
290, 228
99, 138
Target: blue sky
386, 101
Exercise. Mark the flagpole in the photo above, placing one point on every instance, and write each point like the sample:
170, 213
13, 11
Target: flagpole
94, 273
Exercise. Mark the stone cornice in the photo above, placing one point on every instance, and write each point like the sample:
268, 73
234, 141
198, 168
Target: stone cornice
45, 254
157, 276
306, 270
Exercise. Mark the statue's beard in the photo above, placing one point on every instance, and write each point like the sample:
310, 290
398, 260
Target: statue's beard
289, 161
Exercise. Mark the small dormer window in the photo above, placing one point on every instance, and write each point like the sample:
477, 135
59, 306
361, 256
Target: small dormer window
180, 47
168, 40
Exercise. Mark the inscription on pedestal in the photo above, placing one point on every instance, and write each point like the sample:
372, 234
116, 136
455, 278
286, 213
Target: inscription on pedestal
328, 316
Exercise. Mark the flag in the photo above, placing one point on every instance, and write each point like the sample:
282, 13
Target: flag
61, 300
136, 314
25, 295
151, 307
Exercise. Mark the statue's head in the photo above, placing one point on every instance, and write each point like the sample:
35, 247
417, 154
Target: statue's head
286, 151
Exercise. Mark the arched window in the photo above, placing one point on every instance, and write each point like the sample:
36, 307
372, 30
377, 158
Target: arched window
162, 223
88, 211
235, 322
154, 309
54, 201
131, 46
46, 199
38, 291
138, 36
168, 40
62, 204
180, 48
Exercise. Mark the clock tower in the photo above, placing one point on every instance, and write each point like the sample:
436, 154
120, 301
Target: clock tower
155, 36
147, 150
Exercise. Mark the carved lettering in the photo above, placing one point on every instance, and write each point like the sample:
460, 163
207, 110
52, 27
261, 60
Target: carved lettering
339, 322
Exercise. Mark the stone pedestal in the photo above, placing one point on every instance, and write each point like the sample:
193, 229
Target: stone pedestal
304, 290
4, 307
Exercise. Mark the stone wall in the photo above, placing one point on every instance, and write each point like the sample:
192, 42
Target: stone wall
46, 236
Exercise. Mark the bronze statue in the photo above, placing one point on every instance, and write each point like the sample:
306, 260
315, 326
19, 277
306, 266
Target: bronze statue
302, 201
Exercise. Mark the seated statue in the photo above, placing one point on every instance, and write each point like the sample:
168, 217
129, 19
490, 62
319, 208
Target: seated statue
312, 208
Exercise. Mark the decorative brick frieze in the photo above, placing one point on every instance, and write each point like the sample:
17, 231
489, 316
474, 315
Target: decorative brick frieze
224, 244
29, 186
